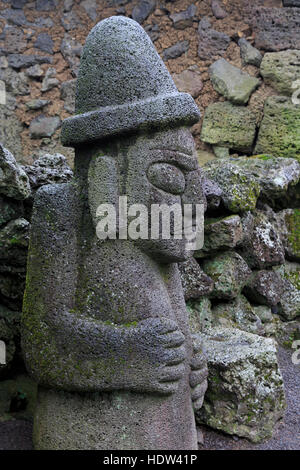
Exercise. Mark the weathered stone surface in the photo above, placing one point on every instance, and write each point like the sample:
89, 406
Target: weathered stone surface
9, 323
10, 130
249, 54
238, 313
18, 61
184, 19
232, 82
142, 10
43, 126
220, 234
211, 42
34, 72
287, 223
14, 40
48, 169
71, 51
195, 282
71, 21
276, 176
200, 314
276, 29
289, 304
263, 312
221, 152
176, 50
16, 83
212, 192
14, 182
279, 131
16, 17
45, 5
67, 93
49, 80
18, 3
189, 81
265, 288
90, 7
281, 70
262, 246
37, 104
131, 109
125, 293
291, 3
229, 126
153, 31
245, 393
229, 272
14, 242
239, 189
44, 43
9, 209
218, 10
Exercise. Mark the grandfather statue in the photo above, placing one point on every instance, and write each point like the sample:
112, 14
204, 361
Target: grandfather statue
105, 329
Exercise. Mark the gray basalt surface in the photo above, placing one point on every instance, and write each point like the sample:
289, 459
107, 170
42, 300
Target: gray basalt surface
105, 327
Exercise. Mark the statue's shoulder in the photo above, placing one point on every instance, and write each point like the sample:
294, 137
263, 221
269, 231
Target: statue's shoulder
55, 214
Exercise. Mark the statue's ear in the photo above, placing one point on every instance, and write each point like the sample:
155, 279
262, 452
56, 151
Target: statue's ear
102, 183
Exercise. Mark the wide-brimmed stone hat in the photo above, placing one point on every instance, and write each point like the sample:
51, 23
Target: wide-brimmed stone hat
123, 86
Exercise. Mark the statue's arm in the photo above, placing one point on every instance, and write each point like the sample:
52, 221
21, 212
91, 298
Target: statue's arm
69, 350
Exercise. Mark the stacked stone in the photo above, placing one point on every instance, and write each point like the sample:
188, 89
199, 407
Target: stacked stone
17, 187
242, 288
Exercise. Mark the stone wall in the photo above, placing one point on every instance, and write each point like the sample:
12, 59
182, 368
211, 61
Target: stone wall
41, 43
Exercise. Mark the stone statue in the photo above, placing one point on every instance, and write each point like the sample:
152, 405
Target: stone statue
105, 327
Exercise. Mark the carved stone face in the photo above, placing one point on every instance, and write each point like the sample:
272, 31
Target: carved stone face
160, 168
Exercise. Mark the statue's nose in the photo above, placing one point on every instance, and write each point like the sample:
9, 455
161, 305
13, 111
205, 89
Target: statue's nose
193, 193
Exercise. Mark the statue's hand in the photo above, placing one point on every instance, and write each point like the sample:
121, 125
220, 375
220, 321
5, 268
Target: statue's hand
199, 373
162, 343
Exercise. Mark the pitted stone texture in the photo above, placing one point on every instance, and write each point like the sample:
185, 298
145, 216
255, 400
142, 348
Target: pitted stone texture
48, 169
44, 43
276, 29
218, 10
229, 272
249, 54
239, 189
189, 81
212, 192
184, 19
238, 313
200, 314
135, 90
211, 42
43, 126
67, 93
289, 304
14, 242
9, 322
176, 50
278, 134
195, 282
265, 288
142, 10
14, 182
281, 70
276, 176
245, 393
9, 209
262, 246
232, 82
220, 234
287, 223
229, 126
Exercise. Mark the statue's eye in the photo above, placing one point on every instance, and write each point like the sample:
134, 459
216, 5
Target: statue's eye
167, 177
